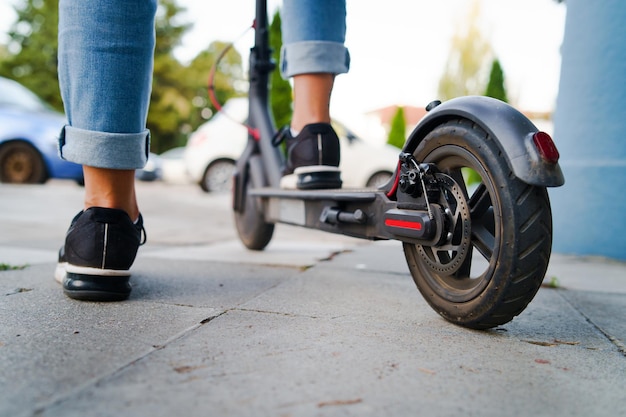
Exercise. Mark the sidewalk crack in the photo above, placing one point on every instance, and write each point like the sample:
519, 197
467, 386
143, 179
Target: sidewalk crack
94, 382
279, 313
621, 347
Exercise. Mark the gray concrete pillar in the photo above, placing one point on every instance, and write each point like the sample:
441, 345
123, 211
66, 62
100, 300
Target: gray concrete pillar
590, 131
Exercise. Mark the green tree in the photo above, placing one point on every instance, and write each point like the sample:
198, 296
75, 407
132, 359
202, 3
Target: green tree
466, 68
495, 87
4, 54
168, 103
179, 101
31, 57
228, 74
280, 91
397, 131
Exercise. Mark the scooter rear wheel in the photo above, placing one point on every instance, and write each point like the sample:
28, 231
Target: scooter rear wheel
487, 273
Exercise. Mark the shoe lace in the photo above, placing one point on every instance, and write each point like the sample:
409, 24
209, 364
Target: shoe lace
280, 136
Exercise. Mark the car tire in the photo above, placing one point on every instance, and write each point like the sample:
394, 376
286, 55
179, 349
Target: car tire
218, 176
20, 163
378, 179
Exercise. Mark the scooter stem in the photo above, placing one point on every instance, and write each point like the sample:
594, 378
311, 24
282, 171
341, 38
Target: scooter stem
260, 117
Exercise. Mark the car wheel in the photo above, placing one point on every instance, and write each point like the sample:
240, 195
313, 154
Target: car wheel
218, 177
20, 163
378, 179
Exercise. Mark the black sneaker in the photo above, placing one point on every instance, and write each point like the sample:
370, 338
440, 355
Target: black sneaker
100, 247
312, 158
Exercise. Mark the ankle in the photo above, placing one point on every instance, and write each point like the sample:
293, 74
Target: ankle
131, 209
311, 102
298, 124
110, 188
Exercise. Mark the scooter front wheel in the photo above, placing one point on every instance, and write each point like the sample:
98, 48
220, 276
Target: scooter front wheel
254, 232
497, 252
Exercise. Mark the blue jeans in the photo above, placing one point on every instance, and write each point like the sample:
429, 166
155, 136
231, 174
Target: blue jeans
106, 52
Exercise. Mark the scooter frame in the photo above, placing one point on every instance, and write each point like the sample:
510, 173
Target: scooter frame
406, 207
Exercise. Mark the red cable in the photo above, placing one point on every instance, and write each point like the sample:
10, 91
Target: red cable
211, 87
394, 188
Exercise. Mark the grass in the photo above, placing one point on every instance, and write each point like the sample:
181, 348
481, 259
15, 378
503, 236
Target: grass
7, 267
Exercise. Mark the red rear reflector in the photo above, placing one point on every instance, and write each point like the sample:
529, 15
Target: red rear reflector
403, 224
546, 147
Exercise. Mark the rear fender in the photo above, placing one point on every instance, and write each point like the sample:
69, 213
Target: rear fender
508, 127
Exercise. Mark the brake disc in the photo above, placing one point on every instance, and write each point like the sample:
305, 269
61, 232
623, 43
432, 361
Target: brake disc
449, 256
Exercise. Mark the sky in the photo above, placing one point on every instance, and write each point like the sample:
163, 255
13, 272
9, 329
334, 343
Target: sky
399, 48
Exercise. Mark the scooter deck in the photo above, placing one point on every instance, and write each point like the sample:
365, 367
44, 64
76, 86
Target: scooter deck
362, 213
339, 194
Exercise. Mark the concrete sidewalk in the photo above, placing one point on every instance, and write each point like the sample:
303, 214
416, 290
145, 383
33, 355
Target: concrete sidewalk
316, 325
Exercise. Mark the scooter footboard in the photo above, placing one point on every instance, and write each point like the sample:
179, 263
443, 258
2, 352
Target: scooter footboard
365, 214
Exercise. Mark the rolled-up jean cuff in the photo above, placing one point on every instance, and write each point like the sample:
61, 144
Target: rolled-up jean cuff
104, 150
310, 57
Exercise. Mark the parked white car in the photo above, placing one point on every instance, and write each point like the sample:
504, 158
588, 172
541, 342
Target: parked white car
214, 147
173, 170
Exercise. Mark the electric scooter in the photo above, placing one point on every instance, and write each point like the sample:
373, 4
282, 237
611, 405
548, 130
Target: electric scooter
477, 249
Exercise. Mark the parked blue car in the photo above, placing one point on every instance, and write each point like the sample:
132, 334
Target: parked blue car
28, 138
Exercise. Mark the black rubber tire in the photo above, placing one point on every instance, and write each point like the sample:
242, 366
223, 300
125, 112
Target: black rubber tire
254, 232
378, 179
20, 163
511, 229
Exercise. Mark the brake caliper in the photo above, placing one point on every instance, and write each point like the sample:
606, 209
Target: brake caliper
414, 217
417, 180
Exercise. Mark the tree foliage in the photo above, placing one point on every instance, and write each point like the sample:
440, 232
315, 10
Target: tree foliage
280, 92
495, 87
467, 65
397, 131
227, 79
178, 103
169, 105
31, 55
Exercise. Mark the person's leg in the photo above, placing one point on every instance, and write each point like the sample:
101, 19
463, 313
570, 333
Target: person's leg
313, 53
314, 33
105, 73
311, 99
